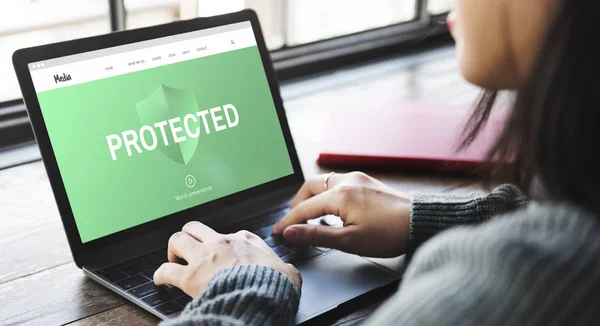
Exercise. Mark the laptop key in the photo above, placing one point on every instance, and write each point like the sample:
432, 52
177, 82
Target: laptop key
132, 269
264, 233
144, 290
114, 276
302, 256
157, 298
184, 300
293, 247
174, 292
156, 258
132, 282
150, 273
146, 263
281, 251
169, 308
105, 270
274, 241
270, 242
162, 296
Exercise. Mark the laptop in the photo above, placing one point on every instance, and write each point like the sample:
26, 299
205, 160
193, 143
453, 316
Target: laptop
144, 130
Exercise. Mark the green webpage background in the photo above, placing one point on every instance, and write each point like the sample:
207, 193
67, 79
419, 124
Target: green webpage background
107, 196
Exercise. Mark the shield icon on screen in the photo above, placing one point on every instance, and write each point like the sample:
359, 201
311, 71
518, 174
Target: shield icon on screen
166, 103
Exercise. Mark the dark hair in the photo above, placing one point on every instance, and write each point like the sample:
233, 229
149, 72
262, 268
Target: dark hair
553, 132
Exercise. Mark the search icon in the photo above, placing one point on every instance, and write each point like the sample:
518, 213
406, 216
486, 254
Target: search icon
232, 42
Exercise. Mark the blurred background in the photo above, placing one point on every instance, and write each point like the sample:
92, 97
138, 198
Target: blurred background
286, 23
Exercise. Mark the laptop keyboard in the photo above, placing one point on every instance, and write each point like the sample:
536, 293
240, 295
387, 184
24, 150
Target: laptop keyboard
291, 253
135, 276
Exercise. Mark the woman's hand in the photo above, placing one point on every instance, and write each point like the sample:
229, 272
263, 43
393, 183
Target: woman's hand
207, 252
376, 217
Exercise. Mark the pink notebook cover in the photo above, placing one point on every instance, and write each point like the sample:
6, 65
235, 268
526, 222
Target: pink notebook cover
406, 136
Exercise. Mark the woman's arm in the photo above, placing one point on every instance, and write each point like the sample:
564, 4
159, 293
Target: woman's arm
261, 295
432, 213
243, 295
380, 221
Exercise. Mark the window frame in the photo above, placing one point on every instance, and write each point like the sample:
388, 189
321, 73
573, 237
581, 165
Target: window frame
290, 62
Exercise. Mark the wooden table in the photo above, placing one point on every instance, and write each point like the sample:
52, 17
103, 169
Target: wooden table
40, 285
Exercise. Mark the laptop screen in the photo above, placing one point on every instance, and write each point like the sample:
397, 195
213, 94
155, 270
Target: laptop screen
147, 129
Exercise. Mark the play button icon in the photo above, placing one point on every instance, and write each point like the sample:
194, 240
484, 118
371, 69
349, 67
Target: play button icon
190, 181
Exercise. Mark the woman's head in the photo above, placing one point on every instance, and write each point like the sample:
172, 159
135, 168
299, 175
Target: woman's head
549, 52
497, 40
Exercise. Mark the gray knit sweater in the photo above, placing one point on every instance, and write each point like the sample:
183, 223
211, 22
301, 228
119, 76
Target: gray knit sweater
537, 265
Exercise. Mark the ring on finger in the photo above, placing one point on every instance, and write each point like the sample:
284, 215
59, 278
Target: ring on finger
326, 182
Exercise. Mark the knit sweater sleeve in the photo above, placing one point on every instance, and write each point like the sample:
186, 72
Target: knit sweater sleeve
243, 295
433, 213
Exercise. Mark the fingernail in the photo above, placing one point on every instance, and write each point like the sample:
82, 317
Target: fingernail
174, 236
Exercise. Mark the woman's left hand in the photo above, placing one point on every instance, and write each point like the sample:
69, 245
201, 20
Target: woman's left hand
207, 252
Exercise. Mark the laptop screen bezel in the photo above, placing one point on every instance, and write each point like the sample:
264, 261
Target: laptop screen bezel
21, 60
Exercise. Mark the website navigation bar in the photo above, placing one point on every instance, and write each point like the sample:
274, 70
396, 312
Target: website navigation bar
47, 76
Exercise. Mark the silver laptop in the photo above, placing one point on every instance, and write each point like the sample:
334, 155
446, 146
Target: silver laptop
144, 130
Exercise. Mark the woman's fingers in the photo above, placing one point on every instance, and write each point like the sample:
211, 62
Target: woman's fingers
182, 245
315, 186
170, 273
308, 189
199, 231
318, 235
317, 206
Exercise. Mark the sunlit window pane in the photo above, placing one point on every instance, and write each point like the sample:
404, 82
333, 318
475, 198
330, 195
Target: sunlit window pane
46, 21
293, 21
284, 22
436, 7
313, 20
142, 13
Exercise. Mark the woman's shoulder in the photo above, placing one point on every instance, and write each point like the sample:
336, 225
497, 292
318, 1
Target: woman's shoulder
548, 219
538, 265
546, 222
534, 222
535, 266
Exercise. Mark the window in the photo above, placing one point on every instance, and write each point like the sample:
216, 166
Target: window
142, 13
436, 7
46, 21
305, 36
314, 20
286, 23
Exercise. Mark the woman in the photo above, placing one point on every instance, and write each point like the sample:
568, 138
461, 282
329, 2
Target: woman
536, 264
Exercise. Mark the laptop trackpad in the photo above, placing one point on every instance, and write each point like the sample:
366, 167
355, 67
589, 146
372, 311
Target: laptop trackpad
338, 277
